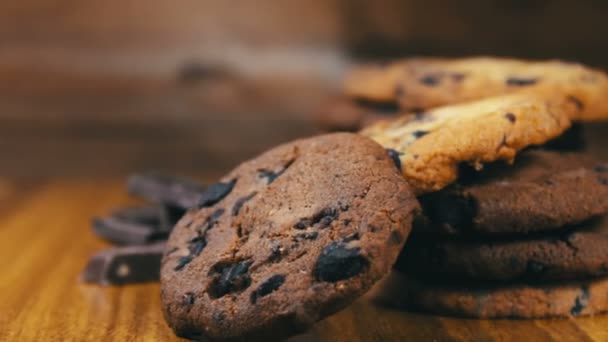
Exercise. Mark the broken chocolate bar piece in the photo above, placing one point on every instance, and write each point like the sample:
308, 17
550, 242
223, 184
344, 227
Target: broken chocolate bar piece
150, 215
166, 190
125, 265
121, 232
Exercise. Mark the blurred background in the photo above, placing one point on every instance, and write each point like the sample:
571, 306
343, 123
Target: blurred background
101, 88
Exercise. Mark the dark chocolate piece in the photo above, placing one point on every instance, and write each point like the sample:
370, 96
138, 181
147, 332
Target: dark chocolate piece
166, 190
338, 262
215, 193
230, 278
511, 117
130, 226
125, 265
520, 82
267, 287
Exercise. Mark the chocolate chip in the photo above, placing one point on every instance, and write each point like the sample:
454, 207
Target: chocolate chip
182, 262
230, 278
303, 224
270, 175
511, 117
395, 157
323, 219
431, 79
337, 262
581, 301
603, 180
419, 134
307, 236
601, 168
188, 298
215, 193
395, 238
197, 245
515, 81
577, 102
240, 202
267, 287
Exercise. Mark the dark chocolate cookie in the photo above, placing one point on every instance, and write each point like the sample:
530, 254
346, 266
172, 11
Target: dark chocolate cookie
286, 239
515, 301
574, 254
541, 191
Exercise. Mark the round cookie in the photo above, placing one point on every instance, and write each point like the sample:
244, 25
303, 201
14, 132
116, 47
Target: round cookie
287, 238
525, 301
423, 83
575, 254
542, 191
433, 145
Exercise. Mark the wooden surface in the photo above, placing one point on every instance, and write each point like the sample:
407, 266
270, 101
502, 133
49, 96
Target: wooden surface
45, 241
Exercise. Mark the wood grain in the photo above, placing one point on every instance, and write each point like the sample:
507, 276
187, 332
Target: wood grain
45, 241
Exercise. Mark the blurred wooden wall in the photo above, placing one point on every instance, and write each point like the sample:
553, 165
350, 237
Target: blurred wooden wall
105, 87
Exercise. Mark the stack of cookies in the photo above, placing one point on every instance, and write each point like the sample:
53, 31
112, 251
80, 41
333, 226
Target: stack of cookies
507, 231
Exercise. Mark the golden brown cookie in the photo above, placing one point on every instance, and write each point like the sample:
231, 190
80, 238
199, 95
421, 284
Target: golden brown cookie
432, 145
423, 83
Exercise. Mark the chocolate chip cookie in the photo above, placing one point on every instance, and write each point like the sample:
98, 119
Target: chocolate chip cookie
542, 191
574, 254
523, 301
286, 239
423, 83
433, 145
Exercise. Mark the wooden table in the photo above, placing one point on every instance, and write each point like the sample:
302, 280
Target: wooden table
45, 241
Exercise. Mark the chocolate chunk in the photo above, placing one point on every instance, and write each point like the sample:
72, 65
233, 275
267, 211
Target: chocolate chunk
323, 219
149, 215
230, 278
267, 287
188, 298
337, 262
580, 303
511, 117
514, 81
577, 102
270, 175
122, 229
199, 242
182, 262
125, 265
215, 193
419, 134
379, 107
240, 202
395, 237
307, 236
395, 157
167, 190
431, 80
